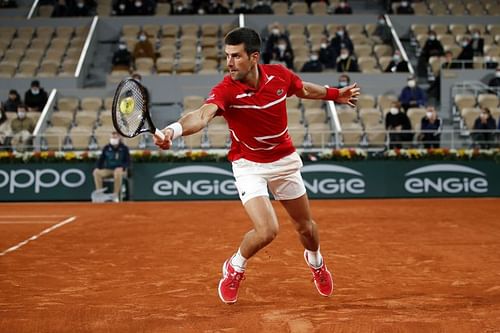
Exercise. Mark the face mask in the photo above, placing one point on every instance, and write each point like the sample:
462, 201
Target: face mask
464, 44
80, 4
179, 8
476, 35
35, 91
497, 74
21, 114
381, 22
138, 3
122, 46
275, 31
429, 115
282, 47
342, 84
411, 83
432, 37
396, 58
323, 45
142, 38
340, 33
394, 111
404, 3
342, 5
314, 57
114, 141
343, 56
121, 6
484, 115
260, 3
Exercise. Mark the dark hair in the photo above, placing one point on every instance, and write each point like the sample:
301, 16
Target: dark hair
35, 83
247, 36
21, 106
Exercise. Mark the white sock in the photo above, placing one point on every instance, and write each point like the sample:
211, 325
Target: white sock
315, 258
239, 262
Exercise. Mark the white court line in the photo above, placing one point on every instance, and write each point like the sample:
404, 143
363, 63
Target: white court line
29, 216
28, 222
46, 231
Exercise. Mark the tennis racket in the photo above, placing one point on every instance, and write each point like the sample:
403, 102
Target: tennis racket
130, 112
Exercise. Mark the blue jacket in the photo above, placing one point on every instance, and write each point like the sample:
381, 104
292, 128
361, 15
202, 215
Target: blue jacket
413, 94
112, 158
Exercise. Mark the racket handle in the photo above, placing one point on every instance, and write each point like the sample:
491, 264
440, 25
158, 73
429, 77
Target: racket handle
159, 134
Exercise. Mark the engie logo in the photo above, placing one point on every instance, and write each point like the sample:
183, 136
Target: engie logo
438, 178
350, 181
40, 178
197, 180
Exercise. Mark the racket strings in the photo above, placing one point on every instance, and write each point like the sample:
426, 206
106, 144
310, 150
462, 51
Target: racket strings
130, 122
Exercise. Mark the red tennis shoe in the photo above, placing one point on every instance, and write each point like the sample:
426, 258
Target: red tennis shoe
322, 278
229, 284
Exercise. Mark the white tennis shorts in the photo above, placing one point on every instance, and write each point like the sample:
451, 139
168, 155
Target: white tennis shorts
282, 177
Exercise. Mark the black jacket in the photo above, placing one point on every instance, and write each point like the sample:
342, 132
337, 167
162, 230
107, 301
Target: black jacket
35, 101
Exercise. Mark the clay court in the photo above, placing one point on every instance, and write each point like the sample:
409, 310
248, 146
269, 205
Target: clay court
399, 266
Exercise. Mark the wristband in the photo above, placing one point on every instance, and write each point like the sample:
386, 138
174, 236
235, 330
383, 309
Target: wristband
331, 94
177, 129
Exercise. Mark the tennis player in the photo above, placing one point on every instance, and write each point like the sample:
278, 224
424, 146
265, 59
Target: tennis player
252, 99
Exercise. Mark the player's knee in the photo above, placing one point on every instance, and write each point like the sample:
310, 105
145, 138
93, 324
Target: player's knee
269, 233
305, 228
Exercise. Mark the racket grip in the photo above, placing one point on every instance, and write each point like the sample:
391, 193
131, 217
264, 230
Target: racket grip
159, 134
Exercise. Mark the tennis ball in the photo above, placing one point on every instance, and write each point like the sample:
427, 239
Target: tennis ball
127, 105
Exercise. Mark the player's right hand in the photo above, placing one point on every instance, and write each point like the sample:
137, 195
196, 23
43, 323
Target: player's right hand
164, 143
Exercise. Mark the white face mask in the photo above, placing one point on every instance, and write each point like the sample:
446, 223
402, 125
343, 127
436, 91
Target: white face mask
342, 84
314, 57
411, 83
323, 45
404, 3
80, 4
497, 74
394, 111
275, 31
396, 58
122, 46
344, 56
464, 44
282, 47
21, 114
340, 33
114, 141
35, 91
122, 6
381, 22
429, 115
432, 37
483, 115
476, 35
179, 8
142, 38
138, 3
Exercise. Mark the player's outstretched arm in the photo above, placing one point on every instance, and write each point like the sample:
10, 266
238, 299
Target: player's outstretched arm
347, 95
190, 123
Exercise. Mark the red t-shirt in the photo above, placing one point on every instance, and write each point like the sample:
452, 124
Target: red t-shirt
257, 118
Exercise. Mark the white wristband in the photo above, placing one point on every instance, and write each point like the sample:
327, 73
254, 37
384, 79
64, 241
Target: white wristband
177, 129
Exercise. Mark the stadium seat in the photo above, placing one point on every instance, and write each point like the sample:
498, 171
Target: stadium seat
319, 134
351, 134
415, 115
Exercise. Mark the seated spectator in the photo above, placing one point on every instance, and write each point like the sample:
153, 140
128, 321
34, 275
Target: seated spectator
344, 81
144, 48
484, 127
490, 62
405, 8
313, 65
113, 161
412, 96
495, 82
245, 8
80, 9
61, 9
282, 54
432, 47
12, 102
122, 58
343, 8
467, 54
262, 8
382, 32
399, 126
21, 129
346, 62
326, 54
179, 8
35, 97
218, 8
341, 40
477, 43
449, 63
272, 42
8, 4
4, 129
397, 64
430, 127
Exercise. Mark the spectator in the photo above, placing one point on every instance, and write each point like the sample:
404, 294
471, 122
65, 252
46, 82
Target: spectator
484, 127
122, 58
432, 47
412, 96
245, 8
178, 8
490, 62
344, 81
12, 102
397, 64
61, 9
495, 82
144, 7
35, 97
272, 42
467, 53
343, 8
313, 65
4, 128
262, 8
399, 126
21, 129
114, 161
326, 54
144, 48
430, 127
283, 54
477, 43
382, 32
346, 62
341, 40
218, 8
8, 4
121, 7
449, 63
405, 8
80, 9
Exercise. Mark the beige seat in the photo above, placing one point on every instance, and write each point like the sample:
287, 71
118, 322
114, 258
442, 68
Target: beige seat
65, 31
144, 65
191, 103
152, 30
62, 119
25, 32
351, 134
218, 134
91, 103
469, 116
85, 118
316, 29
319, 8
167, 51
54, 137
299, 8
415, 115
297, 133
169, 30
193, 140
82, 31
48, 69
131, 30
211, 53
7, 70
108, 104
209, 41
163, 8
487, 100
420, 8
102, 134
67, 103
320, 134
186, 66
382, 50
209, 65
347, 115
475, 9
493, 9
226, 27
164, 65
375, 134
26, 69
384, 101
367, 64
362, 50
34, 55
280, 8
6, 33
294, 115
370, 116
314, 115
45, 10
354, 28
463, 101
209, 29
19, 43
438, 8
105, 118
80, 137
190, 29
59, 43
365, 101
419, 29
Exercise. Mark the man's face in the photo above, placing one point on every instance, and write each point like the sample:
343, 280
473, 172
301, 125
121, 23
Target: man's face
239, 62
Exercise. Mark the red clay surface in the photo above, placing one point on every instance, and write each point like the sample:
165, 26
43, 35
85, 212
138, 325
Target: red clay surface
398, 265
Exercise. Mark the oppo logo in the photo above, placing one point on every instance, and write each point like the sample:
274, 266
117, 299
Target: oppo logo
438, 178
224, 184
40, 178
348, 181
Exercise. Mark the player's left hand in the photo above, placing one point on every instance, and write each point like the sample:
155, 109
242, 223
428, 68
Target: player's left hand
349, 95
